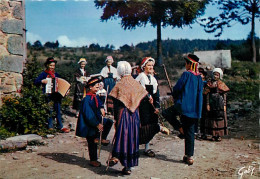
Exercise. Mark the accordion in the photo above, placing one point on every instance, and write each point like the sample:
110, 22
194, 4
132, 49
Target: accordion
57, 85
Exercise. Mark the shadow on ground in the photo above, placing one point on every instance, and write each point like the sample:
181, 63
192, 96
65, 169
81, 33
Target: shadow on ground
82, 162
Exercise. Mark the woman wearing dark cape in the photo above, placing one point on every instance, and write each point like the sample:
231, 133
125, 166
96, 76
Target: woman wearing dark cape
127, 95
81, 79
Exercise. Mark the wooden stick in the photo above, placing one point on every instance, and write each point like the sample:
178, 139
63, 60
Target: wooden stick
100, 136
167, 77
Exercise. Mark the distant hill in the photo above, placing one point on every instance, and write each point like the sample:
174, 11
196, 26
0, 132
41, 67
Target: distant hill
173, 47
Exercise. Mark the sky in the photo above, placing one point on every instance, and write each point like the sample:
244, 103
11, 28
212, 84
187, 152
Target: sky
76, 23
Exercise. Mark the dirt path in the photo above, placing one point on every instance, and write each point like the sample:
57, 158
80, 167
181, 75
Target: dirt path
66, 156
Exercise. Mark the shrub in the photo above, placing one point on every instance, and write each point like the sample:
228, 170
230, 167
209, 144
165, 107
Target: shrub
28, 113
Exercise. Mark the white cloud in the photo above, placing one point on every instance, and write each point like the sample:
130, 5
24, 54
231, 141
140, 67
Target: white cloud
65, 41
31, 37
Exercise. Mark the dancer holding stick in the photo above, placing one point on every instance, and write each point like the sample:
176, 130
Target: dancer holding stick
90, 120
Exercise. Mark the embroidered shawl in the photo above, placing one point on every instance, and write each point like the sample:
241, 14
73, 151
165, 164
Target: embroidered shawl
129, 92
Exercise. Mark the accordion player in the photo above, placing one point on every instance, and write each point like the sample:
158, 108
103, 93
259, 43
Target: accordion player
57, 85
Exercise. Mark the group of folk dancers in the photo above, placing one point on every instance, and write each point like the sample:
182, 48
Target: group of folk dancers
136, 107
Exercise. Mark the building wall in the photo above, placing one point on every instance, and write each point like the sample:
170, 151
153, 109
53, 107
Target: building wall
217, 58
12, 46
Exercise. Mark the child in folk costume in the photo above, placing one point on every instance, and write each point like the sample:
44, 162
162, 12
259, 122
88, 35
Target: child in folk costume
187, 95
90, 120
81, 76
54, 97
216, 123
150, 105
127, 95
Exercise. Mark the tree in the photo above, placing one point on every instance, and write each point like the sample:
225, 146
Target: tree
242, 11
125, 48
52, 44
37, 44
135, 13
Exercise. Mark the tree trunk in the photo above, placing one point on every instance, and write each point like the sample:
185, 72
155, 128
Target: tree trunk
253, 47
159, 43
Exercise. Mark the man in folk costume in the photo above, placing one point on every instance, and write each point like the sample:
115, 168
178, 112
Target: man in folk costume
187, 94
89, 122
127, 95
81, 76
150, 105
110, 76
54, 97
216, 121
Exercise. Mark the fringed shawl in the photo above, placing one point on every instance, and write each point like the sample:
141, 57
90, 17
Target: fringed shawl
129, 92
222, 87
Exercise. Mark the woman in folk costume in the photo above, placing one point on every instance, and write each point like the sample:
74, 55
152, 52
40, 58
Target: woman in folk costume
109, 73
52, 98
216, 123
150, 105
90, 120
110, 76
81, 79
127, 95
203, 75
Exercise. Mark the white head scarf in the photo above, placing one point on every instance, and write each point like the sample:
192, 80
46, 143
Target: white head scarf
123, 68
219, 71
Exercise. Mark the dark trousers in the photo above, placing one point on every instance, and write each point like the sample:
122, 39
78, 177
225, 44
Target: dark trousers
170, 114
92, 148
56, 99
188, 125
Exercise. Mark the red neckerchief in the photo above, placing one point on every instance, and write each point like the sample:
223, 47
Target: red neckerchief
93, 96
51, 73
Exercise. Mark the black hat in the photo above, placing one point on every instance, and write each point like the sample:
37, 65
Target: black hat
201, 70
50, 60
94, 80
192, 58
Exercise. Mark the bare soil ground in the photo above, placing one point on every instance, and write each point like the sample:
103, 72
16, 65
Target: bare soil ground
66, 156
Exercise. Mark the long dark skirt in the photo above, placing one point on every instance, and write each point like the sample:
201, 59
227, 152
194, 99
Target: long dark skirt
149, 122
216, 121
126, 145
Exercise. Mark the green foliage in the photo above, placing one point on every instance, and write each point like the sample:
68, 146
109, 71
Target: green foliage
28, 113
243, 90
243, 81
246, 70
4, 133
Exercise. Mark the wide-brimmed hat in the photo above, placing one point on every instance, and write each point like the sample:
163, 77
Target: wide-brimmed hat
194, 62
82, 60
146, 60
49, 60
94, 80
192, 58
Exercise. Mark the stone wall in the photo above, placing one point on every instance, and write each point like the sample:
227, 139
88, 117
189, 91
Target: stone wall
12, 46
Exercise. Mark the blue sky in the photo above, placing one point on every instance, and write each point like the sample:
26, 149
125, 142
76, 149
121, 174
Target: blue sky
77, 23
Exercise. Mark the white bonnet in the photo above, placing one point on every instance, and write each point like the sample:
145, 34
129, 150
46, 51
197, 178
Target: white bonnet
219, 71
124, 68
